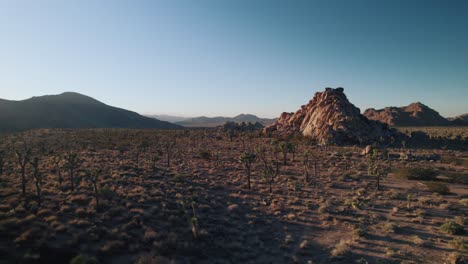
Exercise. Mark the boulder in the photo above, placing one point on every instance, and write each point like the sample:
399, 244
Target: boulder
329, 118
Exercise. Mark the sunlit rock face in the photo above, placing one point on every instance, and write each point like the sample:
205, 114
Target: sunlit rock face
330, 118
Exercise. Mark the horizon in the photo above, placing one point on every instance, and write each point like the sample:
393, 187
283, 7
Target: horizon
234, 115
221, 59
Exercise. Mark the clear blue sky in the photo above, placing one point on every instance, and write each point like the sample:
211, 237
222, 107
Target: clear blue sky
220, 57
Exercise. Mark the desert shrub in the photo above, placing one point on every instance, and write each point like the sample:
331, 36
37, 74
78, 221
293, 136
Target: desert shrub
360, 232
437, 187
423, 174
452, 228
464, 202
418, 241
84, 259
454, 258
389, 227
459, 243
341, 248
455, 177
205, 154
455, 161
106, 192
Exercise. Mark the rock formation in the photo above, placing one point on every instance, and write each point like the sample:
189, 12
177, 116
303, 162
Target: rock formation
330, 118
415, 114
461, 120
241, 126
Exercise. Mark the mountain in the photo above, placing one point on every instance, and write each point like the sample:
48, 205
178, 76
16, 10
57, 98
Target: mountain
330, 118
169, 118
204, 121
461, 120
70, 110
415, 114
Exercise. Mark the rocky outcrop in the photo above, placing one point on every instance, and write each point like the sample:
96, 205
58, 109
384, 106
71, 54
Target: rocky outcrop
415, 114
330, 118
461, 120
241, 126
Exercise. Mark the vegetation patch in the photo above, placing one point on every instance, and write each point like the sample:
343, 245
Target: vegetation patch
452, 228
437, 187
422, 174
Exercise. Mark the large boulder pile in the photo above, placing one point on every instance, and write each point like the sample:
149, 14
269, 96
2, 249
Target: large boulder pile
415, 114
242, 126
331, 119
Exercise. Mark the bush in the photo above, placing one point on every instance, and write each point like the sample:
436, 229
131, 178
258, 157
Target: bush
83, 259
452, 228
459, 243
456, 161
457, 178
205, 154
437, 187
422, 174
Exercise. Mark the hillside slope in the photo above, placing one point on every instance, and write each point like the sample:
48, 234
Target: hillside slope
70, 110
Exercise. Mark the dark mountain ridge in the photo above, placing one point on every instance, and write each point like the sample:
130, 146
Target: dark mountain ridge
70, 110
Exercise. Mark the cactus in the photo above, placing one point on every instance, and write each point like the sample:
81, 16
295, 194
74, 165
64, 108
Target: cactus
58, 167
247, 158
169, 146
306, 164
271, 171
286, 147
2, 160
72, 162
154, 160
37, 178
23, 157
93, 177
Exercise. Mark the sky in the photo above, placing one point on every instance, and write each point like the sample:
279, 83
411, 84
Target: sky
220, 57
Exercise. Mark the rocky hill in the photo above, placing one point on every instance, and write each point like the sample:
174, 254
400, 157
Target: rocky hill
70, 110
330, 118
204, 121
415, 114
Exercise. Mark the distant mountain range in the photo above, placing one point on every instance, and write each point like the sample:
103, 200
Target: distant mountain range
169, 118
415, 114
461, 120
204, 121
70, 110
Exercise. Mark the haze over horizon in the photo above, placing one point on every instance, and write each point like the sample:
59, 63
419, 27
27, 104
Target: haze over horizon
220, 58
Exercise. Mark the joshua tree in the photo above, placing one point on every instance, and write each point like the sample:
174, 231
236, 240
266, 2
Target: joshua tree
306, 165
292, 150
140, 149
72, 162
230, 134
2, 160
58, 167
271, 171
154, 159
192, 217
169, 146
374, 168
247, 158
22, 160
286, 147
93, 176
37, 178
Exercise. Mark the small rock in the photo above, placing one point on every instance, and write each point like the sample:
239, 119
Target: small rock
304, 244
233, 208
